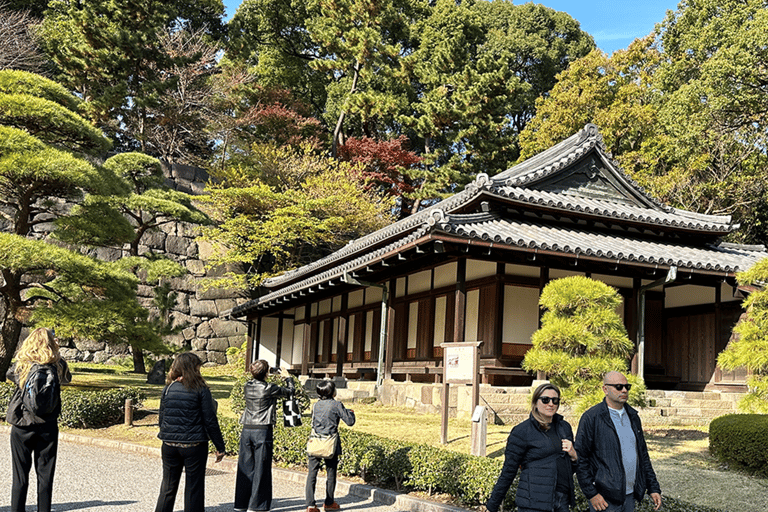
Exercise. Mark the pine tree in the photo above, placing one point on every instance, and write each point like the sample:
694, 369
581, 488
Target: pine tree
749, 349
581, 338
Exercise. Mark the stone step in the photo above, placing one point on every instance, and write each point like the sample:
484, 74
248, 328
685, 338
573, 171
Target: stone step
351, 395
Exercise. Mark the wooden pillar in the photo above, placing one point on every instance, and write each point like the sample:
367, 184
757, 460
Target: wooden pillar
543, 280
495, 345
257, 340
341, 340
634, 320
390, 348
719, 343
249, 343
306, 340
460, 300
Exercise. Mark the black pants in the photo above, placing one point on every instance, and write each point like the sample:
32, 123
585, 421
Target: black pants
192, 460
253, 485
330, 479
37, 443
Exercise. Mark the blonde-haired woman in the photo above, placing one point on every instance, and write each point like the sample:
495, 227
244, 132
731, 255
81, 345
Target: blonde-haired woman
35, 435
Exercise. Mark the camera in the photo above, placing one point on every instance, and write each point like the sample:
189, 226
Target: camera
274, 370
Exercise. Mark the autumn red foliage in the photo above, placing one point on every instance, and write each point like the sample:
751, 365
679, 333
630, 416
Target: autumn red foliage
383, 162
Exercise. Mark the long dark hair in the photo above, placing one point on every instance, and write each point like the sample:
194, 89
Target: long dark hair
187, 366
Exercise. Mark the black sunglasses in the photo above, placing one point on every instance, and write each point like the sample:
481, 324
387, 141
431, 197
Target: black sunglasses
619, 387
545, 400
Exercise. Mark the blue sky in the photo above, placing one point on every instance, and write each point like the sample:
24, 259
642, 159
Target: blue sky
613, 23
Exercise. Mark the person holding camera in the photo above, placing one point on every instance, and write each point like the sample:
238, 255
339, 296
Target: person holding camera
253, 485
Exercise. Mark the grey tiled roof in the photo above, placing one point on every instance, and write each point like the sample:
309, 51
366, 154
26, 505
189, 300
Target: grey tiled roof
545, 237
517, 185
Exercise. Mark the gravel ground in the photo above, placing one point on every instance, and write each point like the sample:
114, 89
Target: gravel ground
109, 476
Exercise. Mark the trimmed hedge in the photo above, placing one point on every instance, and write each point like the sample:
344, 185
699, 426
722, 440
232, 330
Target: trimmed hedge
91, 409
741, 439
408, 467
86, 409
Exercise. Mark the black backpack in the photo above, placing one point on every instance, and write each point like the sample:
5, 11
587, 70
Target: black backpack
41, 395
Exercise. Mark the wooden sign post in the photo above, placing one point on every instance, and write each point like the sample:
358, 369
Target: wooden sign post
461, 365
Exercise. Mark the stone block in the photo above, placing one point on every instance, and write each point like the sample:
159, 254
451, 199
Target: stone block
218, 344
187, 229
70, 354
225, 328
205, 250
108, 254
186, 284
204, 329
176, 245
145, 291
154, 239
203, 355
192, 251
236, 341
195, 267
199, 343
180, 319
217, 357
215, 293
223, 305
118, 349
90, 346
202, 308
182, 303
188, 333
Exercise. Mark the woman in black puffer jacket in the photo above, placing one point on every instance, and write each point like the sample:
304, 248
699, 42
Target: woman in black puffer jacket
542, 448
187, 421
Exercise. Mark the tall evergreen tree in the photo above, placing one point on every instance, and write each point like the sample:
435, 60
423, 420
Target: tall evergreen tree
43, 145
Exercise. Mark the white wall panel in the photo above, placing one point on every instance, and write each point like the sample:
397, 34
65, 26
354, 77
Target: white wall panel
521, 312
445, 275
419, 282
477, 269
471, 318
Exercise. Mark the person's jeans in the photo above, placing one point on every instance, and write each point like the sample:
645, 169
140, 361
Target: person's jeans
253, 484
627, 506
192, 461
313, 466
38, 443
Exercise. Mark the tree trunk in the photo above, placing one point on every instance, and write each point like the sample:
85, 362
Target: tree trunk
138, 360
10, 330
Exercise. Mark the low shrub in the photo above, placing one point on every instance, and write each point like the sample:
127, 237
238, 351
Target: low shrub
91, 409
412, 467
86, 409
740, 439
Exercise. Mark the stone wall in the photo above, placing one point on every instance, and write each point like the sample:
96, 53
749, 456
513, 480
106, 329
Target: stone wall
206, 333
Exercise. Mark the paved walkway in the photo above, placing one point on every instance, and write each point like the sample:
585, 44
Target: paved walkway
97, 475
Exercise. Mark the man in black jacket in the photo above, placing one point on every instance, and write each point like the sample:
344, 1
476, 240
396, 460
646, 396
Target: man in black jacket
614, 469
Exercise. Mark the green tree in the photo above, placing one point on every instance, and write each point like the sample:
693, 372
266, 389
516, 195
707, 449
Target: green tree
148, 206
111, 53
681, 110
478, 69
581, 338
750, 347
282, 208
457, 79
42, 167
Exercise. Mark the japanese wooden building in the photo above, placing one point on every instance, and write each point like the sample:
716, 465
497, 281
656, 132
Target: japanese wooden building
471, 267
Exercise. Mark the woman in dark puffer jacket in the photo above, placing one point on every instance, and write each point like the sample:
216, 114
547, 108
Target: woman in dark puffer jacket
542, 447
187, 421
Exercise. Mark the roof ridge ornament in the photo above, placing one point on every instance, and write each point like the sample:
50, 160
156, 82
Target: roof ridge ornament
437, 216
